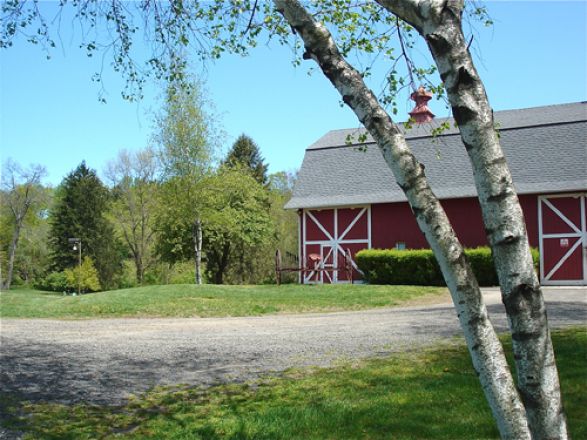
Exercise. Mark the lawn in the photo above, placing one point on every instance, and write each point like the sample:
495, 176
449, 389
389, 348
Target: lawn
420, 395
212, 300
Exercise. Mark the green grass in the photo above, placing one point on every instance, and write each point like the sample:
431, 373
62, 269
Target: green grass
428, 395
208, 301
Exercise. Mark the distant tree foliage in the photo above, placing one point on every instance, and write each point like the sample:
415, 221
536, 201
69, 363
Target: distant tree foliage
23, 199
286, 221
187, 140
32, 258
236, 225
133, 176
80, 212
246, 154
186, 133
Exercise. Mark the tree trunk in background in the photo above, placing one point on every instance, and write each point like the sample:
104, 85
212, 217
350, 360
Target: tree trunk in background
484, 346
12, 253
223, 263
504, 222
198, 250
139, 268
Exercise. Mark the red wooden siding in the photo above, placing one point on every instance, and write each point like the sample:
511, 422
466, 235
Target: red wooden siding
393, 223
557, 227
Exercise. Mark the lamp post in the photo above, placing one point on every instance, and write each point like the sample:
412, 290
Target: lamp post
77, 246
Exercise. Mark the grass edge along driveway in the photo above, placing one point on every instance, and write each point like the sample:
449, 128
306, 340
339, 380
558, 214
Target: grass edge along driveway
186, 301
431, 394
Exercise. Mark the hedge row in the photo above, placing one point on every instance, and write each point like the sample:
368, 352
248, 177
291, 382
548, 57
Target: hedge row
419, 267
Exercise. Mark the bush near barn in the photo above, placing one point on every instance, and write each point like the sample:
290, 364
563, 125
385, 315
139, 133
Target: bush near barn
419, 267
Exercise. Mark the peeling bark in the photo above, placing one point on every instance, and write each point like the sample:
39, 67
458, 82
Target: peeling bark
505, 227
484, 347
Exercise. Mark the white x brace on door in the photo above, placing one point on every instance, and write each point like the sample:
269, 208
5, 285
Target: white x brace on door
563, 239
335, 230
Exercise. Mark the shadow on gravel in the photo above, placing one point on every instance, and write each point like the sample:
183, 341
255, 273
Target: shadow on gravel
69, 374
560, 314
45, 372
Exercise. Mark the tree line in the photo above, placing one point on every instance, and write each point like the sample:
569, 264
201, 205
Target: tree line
173, 212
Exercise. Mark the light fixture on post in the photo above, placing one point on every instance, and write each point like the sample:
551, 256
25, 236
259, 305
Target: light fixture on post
77, 246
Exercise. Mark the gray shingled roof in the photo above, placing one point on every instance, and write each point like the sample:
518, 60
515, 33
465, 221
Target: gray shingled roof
546, 148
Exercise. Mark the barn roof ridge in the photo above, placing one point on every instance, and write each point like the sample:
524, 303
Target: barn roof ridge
553, 114
544, 146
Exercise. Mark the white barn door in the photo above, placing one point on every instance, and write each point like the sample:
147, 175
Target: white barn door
563, 239
329, 233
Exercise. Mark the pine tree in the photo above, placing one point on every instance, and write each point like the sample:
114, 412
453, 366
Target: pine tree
82, 202
245, 153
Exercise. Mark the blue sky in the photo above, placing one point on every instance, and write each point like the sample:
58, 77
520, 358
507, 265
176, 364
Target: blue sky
534, 55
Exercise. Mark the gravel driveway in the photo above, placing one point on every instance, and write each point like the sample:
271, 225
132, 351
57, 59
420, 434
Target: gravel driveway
103, 361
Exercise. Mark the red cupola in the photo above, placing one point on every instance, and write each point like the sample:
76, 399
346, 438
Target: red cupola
421, 113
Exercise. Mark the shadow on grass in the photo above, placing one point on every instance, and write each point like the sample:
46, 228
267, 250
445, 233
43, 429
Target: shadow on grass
431, 394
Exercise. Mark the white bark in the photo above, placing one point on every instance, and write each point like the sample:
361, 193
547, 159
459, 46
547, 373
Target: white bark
502, 215
486, 351
198, 250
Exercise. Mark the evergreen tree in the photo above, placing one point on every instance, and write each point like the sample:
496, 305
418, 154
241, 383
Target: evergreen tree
82, 202
245, 153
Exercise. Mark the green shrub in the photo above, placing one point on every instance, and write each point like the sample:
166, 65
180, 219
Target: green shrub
84, 277
482, 265
419, 267
54, 282
390, 266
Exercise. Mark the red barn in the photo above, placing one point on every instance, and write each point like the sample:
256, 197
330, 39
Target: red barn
347, 197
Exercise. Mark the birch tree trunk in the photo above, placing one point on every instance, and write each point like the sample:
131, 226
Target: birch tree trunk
198, 250
537, 374
484, 347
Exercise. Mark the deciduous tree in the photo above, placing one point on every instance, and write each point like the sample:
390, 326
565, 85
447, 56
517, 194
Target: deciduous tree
237, 222
23, 196
133, 176
187, 139
286, 221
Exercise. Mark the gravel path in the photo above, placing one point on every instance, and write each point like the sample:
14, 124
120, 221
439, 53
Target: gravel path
103, 361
